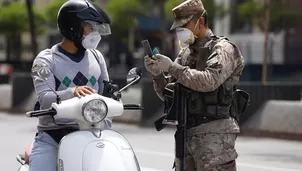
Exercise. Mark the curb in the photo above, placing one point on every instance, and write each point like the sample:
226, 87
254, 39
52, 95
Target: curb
269, 134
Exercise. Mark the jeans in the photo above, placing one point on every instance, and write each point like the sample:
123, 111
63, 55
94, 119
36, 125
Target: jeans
43, 156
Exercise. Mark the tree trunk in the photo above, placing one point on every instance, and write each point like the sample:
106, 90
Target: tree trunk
32, 27
267, 22
131, 39
8, 48
16, 48
131, 48
163, 25
286, 51
13, 48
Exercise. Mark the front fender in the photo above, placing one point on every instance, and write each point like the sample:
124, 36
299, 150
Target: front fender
24, 167
96, 151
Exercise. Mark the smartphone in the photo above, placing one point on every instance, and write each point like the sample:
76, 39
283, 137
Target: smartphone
147, 48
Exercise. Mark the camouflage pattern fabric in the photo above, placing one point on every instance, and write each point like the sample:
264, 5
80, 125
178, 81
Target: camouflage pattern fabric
210, 152
160, 82
211, 146
224, 64
185, 12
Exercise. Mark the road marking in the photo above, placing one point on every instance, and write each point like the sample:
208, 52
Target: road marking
149, 169
257, 166
154, 153
254, 166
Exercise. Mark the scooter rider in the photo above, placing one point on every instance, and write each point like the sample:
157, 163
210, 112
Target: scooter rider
77, 69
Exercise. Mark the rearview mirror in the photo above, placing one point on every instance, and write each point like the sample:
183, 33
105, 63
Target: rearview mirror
134, 74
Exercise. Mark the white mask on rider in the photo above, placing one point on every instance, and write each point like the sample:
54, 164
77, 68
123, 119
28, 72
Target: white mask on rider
92, 40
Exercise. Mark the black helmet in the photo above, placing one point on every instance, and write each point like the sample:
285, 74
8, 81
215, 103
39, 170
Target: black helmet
74, 13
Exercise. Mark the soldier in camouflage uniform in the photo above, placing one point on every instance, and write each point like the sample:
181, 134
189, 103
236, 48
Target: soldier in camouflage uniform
211, 142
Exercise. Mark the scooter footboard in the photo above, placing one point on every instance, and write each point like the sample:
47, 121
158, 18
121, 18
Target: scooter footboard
96, 151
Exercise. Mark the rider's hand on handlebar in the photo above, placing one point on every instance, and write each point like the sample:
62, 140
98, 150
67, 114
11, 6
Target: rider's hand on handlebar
83, 90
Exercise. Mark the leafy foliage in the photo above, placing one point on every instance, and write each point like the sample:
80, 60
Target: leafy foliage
14, 19
210, 5
281, 17
123, 13
52, 11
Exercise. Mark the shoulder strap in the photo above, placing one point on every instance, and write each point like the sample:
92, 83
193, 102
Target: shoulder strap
214, 40
235, 46
95, 54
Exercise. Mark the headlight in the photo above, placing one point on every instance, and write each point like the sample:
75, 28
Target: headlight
95, 111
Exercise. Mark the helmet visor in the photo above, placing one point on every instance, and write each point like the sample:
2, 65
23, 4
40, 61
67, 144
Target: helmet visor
103, 29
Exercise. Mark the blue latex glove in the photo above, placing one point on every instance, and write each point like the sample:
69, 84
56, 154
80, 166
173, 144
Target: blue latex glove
155, 51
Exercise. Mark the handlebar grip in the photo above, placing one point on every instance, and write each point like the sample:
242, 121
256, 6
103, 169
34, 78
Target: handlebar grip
133, 107
50, 112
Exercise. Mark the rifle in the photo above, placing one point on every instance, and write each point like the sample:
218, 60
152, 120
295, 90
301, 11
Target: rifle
176, 114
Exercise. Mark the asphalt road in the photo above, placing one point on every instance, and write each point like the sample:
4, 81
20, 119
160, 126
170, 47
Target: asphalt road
155, 149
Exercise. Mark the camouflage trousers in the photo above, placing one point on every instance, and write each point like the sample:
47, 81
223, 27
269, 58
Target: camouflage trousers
210, 152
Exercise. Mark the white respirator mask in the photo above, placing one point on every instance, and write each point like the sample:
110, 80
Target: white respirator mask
92, 40
185, 37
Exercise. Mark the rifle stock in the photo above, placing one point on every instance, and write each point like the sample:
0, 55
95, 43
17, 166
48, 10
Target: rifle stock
159, 123
182, 126
172, 112
176, 115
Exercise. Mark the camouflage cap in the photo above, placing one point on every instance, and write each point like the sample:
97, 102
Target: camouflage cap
185, 12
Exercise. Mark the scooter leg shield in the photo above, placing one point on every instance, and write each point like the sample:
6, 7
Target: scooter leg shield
106, 150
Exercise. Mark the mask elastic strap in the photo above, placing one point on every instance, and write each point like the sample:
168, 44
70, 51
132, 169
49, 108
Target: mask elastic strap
198, 22
179, 44
182, 49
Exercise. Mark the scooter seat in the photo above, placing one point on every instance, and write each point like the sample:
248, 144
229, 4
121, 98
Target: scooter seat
27, 153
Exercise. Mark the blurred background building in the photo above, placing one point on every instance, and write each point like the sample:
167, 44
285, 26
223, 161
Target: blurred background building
151, 19
242, 21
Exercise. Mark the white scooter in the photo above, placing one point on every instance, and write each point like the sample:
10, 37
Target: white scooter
92, 148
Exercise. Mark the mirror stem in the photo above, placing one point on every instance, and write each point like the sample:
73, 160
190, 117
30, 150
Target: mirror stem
126, 86
58, 97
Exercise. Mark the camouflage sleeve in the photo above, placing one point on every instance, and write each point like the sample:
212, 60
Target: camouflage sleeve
160, 82
220, 65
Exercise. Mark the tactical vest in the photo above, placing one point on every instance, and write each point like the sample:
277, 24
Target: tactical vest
215, 104
220, 98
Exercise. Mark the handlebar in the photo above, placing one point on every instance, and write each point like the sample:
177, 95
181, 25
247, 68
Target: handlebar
52, 111
49, 112
133, 107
